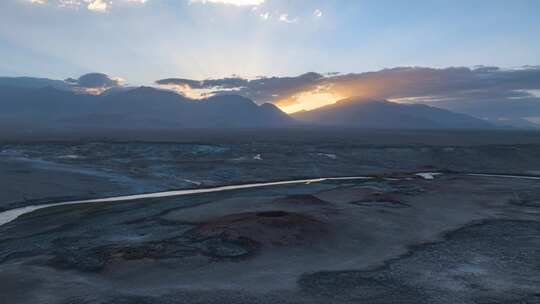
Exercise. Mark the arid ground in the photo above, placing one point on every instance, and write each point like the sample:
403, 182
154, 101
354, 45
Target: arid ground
394, 238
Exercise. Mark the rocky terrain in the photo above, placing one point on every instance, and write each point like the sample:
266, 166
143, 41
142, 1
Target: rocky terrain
92, 169
396, 237
454, 239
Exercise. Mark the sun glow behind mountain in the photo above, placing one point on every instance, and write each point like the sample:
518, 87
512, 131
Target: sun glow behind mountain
310, 100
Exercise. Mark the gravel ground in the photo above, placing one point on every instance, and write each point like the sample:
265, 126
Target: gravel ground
454, 239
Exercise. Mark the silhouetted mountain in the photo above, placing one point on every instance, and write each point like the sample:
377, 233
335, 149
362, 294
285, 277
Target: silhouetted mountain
42, 105
34, 83
137, 108
356, 112
151, 108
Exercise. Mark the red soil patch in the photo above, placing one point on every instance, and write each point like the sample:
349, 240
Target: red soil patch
276, 228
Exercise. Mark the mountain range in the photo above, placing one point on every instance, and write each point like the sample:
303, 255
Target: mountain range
137, 108
38, 103
382, 114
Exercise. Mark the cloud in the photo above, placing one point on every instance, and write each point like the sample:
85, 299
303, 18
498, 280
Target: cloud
285, 18
438, 84
261, 90
92, 5
231, 2
486, 92
197, 89
98, 5
318, 13
223, 83
94, 83
265, 16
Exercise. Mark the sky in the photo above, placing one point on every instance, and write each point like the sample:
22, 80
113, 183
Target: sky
142, 42
146, 40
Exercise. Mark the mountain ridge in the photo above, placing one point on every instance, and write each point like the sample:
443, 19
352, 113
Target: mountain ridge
383, 114
148, 107
141, 107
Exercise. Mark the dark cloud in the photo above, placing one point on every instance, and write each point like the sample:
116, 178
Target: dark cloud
194, 84
94, 80
482, 91
261, 90
223, 83
418, 82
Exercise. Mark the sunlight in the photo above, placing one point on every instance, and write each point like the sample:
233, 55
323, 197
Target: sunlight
310, 100
190, 92
91, 91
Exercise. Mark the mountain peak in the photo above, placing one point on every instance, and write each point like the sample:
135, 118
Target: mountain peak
359, 112
230, 100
